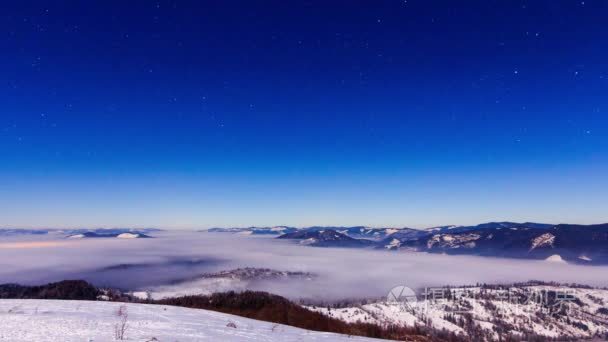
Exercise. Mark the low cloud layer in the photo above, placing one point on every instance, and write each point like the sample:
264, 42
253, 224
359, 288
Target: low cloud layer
342, 273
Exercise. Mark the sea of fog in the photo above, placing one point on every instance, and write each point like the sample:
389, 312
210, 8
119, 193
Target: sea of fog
171, 257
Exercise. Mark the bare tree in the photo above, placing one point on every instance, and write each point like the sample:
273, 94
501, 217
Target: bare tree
121, 327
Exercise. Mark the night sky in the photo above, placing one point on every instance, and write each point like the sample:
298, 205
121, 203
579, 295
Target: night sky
235, 113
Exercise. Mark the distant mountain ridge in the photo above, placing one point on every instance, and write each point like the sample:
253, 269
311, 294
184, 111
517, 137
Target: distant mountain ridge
586, 244
492, 225
578, 243
358, 232
573, 243
371, 233
83, 232
326, 238
118, 235
278, 230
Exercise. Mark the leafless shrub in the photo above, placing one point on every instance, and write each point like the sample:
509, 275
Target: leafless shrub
120, 328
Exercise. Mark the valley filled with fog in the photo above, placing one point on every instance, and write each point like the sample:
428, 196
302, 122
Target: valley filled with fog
176, 257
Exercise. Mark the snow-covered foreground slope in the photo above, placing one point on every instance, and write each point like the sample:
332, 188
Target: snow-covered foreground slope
58, 320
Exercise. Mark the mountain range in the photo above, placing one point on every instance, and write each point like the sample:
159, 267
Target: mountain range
123, 233
587, 244
575, 243
357, 232
326, 238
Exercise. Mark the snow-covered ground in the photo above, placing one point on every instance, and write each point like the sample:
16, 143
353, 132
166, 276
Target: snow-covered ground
58, 320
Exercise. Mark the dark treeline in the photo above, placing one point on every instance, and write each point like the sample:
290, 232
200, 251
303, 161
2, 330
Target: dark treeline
66, 289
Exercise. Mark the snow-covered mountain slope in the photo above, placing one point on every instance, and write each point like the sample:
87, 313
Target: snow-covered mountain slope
130, 236
59, 320
480, 313
543, 240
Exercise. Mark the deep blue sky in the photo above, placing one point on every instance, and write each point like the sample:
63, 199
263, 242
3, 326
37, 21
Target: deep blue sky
236, 113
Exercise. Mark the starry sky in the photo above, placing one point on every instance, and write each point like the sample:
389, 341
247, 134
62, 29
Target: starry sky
193, 114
